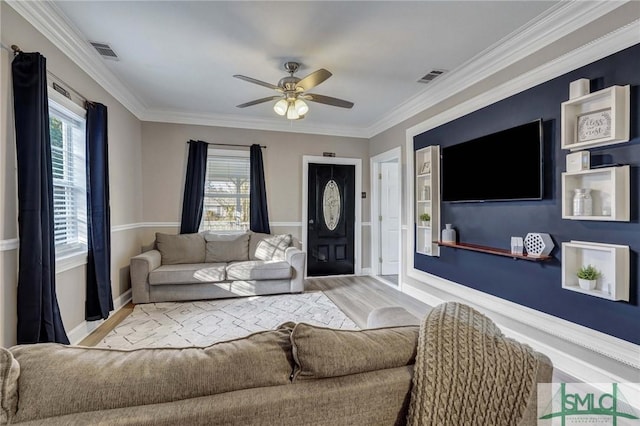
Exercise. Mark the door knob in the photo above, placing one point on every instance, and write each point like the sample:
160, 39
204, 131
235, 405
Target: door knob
311, 221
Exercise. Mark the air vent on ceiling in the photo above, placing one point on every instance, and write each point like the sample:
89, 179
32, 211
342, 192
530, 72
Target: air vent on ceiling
104, 50
431, 75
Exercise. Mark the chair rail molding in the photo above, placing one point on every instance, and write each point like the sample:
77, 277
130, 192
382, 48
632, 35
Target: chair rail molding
9, 244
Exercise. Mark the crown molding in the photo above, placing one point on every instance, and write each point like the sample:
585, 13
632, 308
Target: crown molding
240, 122
597, 49
47, 18
557, 22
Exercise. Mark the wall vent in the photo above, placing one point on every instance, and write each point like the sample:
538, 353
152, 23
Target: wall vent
431, 75
105, 50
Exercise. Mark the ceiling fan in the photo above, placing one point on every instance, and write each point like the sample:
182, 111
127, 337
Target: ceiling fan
293, 92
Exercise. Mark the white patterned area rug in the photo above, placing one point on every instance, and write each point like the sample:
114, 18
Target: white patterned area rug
201, 323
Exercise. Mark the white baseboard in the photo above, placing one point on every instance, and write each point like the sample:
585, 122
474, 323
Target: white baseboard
588, 355
87, 327
365, 271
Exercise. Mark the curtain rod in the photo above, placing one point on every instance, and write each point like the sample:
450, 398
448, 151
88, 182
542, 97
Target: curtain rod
14, 48
67, 86
230, 144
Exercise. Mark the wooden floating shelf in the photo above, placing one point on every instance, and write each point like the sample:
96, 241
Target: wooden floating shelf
493, 250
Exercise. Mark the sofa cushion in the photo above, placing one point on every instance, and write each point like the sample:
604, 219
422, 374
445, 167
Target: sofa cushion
268, 247
226, 247
188, 273
324, 352
183, 248
258, 270
9, 372
56, 379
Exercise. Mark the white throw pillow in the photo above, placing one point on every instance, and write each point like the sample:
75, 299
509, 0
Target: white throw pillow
273, 247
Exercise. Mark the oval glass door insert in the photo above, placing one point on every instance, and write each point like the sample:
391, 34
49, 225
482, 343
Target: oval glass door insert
331, 205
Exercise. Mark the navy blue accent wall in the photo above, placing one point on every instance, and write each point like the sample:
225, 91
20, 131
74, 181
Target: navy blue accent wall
533, 284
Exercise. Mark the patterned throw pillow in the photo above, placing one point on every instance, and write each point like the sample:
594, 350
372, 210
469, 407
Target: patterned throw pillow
273, 247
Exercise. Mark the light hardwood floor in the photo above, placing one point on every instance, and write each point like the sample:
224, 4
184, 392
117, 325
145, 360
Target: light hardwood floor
355, 296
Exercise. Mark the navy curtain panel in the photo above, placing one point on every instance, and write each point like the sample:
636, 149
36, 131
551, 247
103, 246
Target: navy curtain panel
193, 201
259, 216
39, 317
99, 300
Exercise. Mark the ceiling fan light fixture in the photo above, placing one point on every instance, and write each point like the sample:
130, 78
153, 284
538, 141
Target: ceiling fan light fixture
301, 107
281, 106
292, 114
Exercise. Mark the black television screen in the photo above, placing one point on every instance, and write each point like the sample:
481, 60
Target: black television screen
506, 165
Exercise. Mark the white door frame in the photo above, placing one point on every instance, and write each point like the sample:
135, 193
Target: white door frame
392, 154
357, 237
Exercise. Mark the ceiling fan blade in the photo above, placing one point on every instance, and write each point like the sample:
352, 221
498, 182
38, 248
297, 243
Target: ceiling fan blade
313, 79
259, 82
258, 101
327, 100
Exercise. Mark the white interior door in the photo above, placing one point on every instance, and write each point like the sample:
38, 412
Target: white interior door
389, 220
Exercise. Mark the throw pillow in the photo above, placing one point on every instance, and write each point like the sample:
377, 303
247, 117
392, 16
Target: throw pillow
226, 247
183, 248
324, 352
273, 247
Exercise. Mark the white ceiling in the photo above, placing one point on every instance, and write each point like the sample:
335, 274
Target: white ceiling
178, 58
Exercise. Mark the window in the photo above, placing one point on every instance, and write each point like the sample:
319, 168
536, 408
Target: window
226, 191
67, 131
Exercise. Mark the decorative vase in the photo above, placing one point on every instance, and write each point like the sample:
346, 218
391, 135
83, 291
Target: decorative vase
582, 202
586, 284
425, 223
426, 193
449, 234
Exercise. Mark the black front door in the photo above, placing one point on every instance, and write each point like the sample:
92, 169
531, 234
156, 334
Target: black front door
331, 220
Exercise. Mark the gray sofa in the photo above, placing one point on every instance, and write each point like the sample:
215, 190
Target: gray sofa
297, 374
215, 265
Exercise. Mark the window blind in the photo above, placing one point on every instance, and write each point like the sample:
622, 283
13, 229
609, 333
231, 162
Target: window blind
67, 131
227, 186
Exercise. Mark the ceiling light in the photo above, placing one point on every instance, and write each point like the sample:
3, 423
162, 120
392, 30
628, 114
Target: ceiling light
281, 107
292, 114
301, 107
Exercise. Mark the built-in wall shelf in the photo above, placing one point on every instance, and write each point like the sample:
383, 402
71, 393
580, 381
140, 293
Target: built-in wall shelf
609, 190
596, 119
427, 199
493, 250
611, 260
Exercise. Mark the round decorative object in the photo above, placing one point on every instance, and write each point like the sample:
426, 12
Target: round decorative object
449, 234
331, 205
538, 244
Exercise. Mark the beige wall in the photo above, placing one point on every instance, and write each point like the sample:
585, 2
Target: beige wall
164, 153
125, 179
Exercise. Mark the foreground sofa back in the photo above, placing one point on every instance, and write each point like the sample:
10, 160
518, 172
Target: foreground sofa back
298, 374
210, 266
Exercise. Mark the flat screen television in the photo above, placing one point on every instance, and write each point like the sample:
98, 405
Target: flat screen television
505, 165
